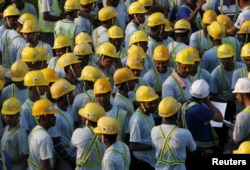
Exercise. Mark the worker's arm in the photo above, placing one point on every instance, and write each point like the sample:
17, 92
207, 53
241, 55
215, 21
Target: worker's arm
136, 146
46, 164
232, 31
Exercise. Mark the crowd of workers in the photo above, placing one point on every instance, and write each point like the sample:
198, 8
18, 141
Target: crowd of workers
119, 85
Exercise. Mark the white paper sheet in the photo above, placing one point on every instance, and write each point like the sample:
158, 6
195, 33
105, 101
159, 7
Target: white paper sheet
222, 108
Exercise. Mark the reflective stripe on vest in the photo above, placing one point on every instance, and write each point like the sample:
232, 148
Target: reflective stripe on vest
173, 55
122, 121
247, 110
215, 141
126, 100
166, 148
158, 83
30, 107
93, 145
48, 26
124, 155
67, 121
179, 87
146, 119
3, 161
12, 131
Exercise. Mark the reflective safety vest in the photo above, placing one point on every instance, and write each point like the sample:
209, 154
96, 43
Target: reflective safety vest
5, 142
93, 147
67, 29
121, 117
127, 102
166, 149
202, 144
30, 107
48, 26
124, 155
173, 53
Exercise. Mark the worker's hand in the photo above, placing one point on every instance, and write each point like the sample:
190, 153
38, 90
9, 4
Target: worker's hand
200, 3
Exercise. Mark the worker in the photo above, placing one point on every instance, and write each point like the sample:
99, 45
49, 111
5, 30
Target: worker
140, 126
70, 69
216, 32
102, 91
37, 85
117, 154
243, 16
107, 17
116, 37
136, 12
178, 83
89, 75
15, 139
182, 29
44, 56
62, 92
84, 53
199, 125
157, 75
167, 34
171, 142
40, 143
31, 57
107, 56
48, 13
67, 27
25, 7
241, 127
200, 39
31, 31
17, 89
90, 150
23, 18
244, 33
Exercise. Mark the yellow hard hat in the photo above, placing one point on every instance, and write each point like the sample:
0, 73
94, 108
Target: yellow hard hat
86, 2
43, 54
83, 37
91, 73
184, 57
157, 18
181, 26
25, 17
225, 20
136, 50
209, 16
168, 107
30, 26
244, 148
145, 94
2, 1
2, 73
138, 36
244, 28
43, 107
61, 87
107, 49
216, 30
225, 51
61, 42
18, 70
115, 32
107, 126
194, 52
146, 3
92, 112
83, 49
245, 51
135, 61
123, 75
67, 59
35, 78
30, 54
1, 84
161, 53
71, 5
167, 27
106, 13
11, 10
50, 74
136, 8
11, 106
102, 85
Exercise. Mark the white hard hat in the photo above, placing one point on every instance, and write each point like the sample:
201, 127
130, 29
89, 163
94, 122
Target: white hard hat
199, 89
242, 86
